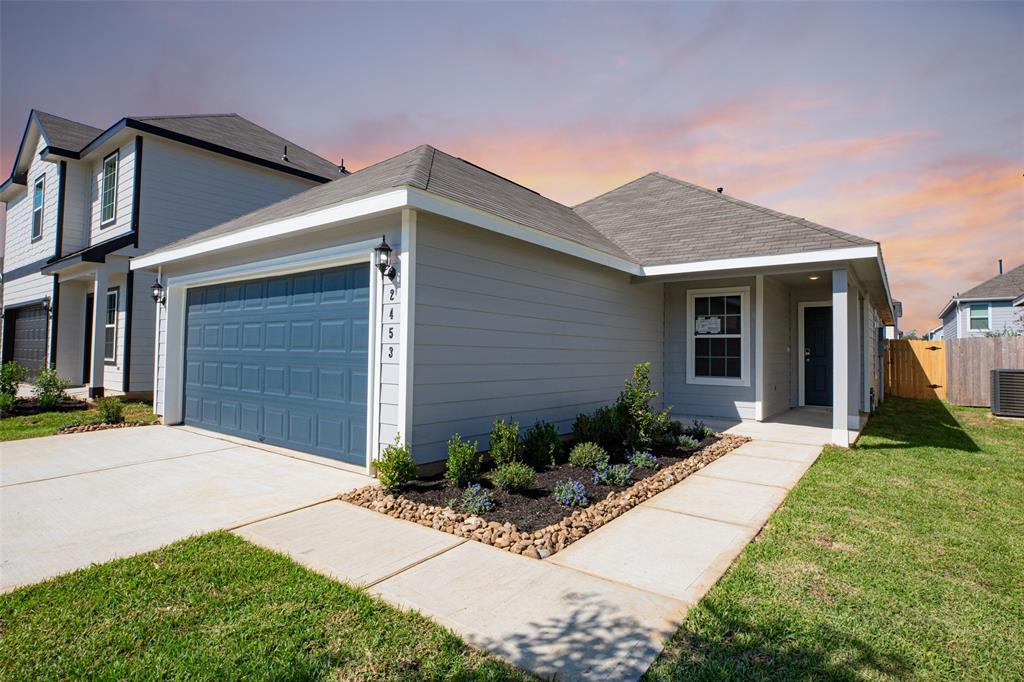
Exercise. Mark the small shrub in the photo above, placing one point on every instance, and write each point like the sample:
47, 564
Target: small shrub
619, 475
476, 500
111, 410
50, 387
505, 445
542, 445
687, 442
11, 374
699, 431
640, 426
514, 476
588, 455
643, 460
604, 427
676, 427
7, 402
570, 494
396, 468
463, 465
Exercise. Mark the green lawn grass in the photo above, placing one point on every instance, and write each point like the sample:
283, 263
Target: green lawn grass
215, 607
900, 558
49, 423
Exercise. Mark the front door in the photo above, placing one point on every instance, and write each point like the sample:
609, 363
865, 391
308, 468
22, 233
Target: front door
818, 355
87, 343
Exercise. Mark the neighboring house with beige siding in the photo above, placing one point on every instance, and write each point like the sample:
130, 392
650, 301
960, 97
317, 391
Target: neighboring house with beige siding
284, 326
81, 201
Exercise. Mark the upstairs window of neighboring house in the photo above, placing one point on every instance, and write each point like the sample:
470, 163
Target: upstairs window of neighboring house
979, 317
108, 191
38, 192
719, 340
110, 330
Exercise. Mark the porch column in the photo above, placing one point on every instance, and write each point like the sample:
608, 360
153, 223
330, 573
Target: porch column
99, 319
840, 358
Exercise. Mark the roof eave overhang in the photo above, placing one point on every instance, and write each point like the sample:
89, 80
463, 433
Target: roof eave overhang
97, 253
957, 300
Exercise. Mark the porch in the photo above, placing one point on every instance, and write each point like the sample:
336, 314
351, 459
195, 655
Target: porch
788, 353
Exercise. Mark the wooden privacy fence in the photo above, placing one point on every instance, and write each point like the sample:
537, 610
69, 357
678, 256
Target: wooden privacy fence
969, 365
915, 369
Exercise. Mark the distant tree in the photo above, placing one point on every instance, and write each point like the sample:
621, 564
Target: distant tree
911, 335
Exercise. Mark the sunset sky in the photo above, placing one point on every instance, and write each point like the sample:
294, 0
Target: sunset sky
903, 123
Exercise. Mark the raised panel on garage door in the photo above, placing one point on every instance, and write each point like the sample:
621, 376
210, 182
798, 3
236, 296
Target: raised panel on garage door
282, 360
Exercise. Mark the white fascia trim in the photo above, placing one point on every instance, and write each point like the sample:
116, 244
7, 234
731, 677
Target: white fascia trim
358, 208
983, 299
426, 201
826, 255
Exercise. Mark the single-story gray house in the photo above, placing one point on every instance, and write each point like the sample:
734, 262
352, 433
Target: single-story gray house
995, 306
285, 326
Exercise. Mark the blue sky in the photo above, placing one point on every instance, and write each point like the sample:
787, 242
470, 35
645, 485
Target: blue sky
899, 122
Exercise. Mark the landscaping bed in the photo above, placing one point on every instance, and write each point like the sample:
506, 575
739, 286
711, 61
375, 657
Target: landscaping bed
531, 522
100, 426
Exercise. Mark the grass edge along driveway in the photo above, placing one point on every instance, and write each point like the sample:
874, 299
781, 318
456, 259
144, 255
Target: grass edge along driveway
216, 607
899, 558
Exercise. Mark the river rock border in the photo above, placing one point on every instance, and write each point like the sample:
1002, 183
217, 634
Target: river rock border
544, 542
99, 426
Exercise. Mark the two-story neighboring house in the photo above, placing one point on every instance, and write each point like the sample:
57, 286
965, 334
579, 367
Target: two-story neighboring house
81, 201
992, 307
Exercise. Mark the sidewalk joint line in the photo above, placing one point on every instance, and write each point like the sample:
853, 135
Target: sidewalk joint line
116, 466
414, 564
736, 480
698, 516
267, 517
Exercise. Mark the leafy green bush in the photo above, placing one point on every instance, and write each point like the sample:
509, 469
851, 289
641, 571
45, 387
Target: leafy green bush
603, 427
588, 455
396, 468
643, 460
619, 475
111, 410
687, 442
676, 427
50, 387
7, 402
570, 494
505, 445
514, 476
464, 461
476, 500
699, 431
11, 374
542, 445
640, 427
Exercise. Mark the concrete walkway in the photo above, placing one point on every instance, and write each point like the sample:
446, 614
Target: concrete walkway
73, 500
599, 610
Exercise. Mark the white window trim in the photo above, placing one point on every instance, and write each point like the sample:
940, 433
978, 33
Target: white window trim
116, 155
988, 318
41, 180
116, 291
744, 378
801, 344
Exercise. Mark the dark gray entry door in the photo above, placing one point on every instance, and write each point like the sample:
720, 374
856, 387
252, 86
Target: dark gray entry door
30, 338
282, 360
817, 355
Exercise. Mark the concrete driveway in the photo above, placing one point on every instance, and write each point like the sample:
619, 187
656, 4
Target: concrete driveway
73, 500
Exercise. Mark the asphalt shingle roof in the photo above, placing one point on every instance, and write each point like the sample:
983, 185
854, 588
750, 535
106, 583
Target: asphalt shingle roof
658, 219
65, 133
653, 220
242, 135
1010, 283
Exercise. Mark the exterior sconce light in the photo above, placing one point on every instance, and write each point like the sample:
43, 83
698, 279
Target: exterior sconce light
382, 256
157, 292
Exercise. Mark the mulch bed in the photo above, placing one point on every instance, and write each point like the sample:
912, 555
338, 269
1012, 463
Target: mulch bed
24, 407
533, 524
100, 426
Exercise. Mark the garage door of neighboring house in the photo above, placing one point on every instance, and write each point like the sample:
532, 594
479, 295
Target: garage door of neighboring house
282, 360
30, 338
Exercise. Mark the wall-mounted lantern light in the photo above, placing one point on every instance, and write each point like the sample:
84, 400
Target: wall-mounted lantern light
157, 292
382, 256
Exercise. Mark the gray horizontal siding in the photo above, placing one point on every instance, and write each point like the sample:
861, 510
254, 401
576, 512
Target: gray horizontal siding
506, 329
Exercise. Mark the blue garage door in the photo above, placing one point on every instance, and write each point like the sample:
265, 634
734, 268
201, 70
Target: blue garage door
282, 360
